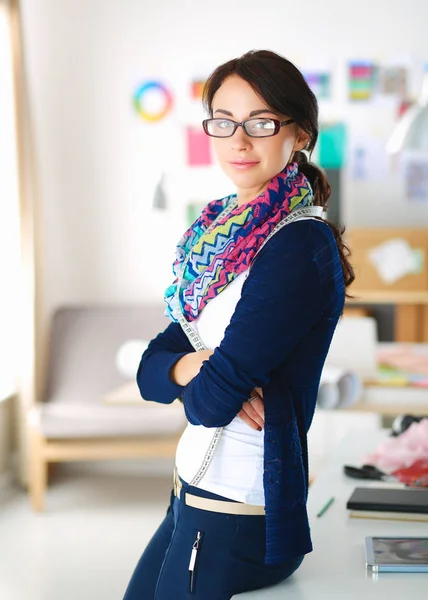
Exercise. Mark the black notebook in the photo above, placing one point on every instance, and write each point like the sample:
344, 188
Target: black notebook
406, 503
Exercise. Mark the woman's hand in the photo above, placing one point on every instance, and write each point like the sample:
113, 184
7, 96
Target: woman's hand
253, 413
188, 366
185, 369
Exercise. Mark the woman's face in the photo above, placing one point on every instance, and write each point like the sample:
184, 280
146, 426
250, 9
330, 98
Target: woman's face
252, 162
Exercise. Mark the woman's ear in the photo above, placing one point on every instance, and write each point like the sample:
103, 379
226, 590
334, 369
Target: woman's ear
302, 140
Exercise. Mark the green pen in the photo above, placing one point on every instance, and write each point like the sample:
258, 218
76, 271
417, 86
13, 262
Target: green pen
326, 507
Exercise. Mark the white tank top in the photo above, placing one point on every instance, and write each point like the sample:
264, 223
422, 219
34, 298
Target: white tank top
236, 470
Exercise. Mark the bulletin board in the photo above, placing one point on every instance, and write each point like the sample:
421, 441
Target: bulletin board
367, 278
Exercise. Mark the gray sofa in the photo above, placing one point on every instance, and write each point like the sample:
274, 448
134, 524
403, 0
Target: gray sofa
90, 409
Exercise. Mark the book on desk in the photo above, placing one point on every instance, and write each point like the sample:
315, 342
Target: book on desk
400, 504
397, 554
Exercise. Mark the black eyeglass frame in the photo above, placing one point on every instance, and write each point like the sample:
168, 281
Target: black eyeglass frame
278, 124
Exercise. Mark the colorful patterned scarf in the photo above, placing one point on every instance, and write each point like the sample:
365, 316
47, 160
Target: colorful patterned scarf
218, 256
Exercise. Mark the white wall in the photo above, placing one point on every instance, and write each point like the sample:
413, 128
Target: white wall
98, 163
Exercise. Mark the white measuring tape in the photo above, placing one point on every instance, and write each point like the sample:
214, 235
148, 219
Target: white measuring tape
195, 340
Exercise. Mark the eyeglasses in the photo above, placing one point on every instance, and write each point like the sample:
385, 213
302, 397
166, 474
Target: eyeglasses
224, 128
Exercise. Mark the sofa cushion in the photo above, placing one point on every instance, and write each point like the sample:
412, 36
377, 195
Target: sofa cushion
87, 395
88, 421
85, 341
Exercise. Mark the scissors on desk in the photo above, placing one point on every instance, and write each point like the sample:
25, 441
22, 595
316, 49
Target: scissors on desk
367, 472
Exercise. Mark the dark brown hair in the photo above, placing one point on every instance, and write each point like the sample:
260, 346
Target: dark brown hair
283, 88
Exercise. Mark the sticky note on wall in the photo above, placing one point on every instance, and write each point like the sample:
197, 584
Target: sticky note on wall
198, 147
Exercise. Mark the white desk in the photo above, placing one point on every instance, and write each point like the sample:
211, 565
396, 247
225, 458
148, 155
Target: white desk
336, 567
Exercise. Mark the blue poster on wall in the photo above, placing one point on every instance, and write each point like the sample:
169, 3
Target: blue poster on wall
332, 145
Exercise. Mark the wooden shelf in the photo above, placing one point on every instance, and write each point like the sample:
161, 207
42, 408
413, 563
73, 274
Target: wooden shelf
387, 297
411, 311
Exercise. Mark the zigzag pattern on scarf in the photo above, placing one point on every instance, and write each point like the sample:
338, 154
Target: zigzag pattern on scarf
216, 257
214, 242
212, 282
208, 215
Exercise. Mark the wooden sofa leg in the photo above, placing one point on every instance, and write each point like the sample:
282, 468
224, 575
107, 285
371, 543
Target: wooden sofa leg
38, 472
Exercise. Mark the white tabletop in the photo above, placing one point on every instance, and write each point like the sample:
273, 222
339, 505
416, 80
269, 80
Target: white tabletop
336, 567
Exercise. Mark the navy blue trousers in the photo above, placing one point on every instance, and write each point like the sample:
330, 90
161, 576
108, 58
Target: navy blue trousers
229, 558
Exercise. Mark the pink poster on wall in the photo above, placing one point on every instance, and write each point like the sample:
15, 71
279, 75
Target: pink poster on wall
198, 147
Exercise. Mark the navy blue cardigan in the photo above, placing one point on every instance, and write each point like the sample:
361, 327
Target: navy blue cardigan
277, 339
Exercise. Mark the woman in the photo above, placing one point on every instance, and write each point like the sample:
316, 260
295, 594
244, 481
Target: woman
260, 286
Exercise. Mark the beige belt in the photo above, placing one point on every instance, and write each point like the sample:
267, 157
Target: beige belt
219, 506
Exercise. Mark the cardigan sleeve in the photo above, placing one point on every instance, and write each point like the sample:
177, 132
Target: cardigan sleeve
156, 362
289, 285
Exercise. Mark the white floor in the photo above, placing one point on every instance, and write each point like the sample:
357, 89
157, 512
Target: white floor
97, 521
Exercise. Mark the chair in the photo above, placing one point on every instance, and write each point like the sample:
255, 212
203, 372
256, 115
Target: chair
74, 420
